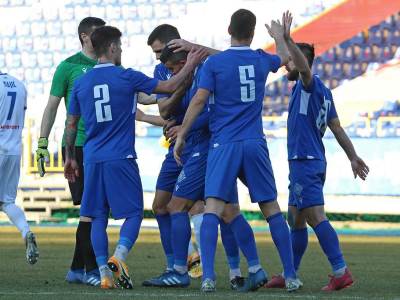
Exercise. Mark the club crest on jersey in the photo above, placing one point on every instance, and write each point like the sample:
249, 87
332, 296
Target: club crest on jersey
84, 70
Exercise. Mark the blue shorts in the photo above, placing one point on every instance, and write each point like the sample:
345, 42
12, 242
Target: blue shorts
307, 178
247, 160
114, 186
191, 181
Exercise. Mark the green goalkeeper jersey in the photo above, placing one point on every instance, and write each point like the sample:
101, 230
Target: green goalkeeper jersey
63, 81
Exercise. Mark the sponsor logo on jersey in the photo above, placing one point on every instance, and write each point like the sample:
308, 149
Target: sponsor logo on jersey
9, 84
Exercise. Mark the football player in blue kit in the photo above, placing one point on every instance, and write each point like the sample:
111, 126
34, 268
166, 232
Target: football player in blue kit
234, 80
105, 98
311, 111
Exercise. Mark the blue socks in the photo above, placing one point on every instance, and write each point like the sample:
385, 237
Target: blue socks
181, 233
281, 237
164, 225
245, 238
208, 244
100, 240
130, 231
329, 242
230, 246
299, 245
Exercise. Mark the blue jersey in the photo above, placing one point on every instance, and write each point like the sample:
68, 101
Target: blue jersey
106, 98
161, 72
236, 78
310, 111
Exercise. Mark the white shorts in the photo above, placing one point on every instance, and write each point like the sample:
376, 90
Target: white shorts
9, 177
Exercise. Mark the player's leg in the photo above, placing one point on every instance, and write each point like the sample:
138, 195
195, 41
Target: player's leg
84, 258
230, 245
9, 174
194, 261
299, 235
125, 198
223, 165
259, 178
94, 205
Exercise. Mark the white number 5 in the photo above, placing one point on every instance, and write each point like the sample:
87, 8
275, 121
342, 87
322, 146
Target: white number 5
248, 85
102, 95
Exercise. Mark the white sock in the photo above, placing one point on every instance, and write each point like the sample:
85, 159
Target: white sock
197, 220
105, 271
340, 272
234, 273
17, 217
121, 252
191, 248
254, 269
181, 269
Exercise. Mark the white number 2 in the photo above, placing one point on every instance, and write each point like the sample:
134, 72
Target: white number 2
248, 85
102, 96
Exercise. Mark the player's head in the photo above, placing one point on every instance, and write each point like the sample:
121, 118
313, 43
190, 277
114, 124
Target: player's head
106, 42
309, 53
173, 61
86, 28
243, 23
160, 36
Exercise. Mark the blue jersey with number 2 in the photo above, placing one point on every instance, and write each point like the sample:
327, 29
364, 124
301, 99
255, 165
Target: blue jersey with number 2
105, 97
236, 78
310, 111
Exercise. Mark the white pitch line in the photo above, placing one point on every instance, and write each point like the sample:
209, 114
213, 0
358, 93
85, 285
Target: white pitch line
184, 295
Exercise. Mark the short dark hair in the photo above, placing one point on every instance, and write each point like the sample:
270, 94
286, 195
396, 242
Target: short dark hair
308, 51
168, 54
86, 25
164, 33
103, 37
243, 23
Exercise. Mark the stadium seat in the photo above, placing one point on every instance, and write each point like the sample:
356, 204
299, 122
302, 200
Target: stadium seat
45, 59
28, 60
50, 14
145, 11
56, 43
24, 43
68, 28
22, 29
38, 28
13, 60
4, 3
98, 11
66, 13
113, 12
32, 75
129, 12
81, 12
2, 61
161, 10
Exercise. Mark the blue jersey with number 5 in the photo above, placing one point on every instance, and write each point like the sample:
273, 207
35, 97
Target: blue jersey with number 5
236, 78
105, 97
310, 111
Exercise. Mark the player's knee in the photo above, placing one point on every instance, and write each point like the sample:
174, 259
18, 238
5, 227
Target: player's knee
159, 208
269, 208
197, 208
230, 213
177, 205
315, 217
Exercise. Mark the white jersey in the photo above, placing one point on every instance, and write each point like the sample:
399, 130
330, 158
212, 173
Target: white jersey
12, 114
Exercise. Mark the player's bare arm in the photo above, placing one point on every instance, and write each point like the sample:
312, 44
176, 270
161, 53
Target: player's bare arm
167, 106
277, 31
195, 108
358, 166
71, 169
183, 45
194, 57
296, 55
151, 119
145, 99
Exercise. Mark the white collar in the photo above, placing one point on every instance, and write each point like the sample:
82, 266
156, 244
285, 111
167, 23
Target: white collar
100, 65
239, 48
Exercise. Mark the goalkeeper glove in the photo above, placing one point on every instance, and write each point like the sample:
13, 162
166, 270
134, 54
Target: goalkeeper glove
42, 154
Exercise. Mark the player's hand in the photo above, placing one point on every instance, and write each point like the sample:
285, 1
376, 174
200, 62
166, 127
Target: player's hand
180, 45
178, 149
359, 168
275, 30
172, 134
195, 56
71, 169
287, 19
168, 124
42, 155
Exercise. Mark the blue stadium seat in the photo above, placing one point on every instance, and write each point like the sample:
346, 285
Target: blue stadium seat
16, 2
69, 28
46, 74
9, 44
4, 3
177, 9
38, 28
66, 13
50, 14
28, 59
129, 12
113, 12
98, 11
133, 27
145, 11
22, 29
161, 10
54, 28
24, 43
81, 12
56, 43
32, 75
94, 1
149, 24
2, 61
13, 60
40, 44
45, 59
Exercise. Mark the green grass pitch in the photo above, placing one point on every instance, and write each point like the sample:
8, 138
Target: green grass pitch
374, 261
